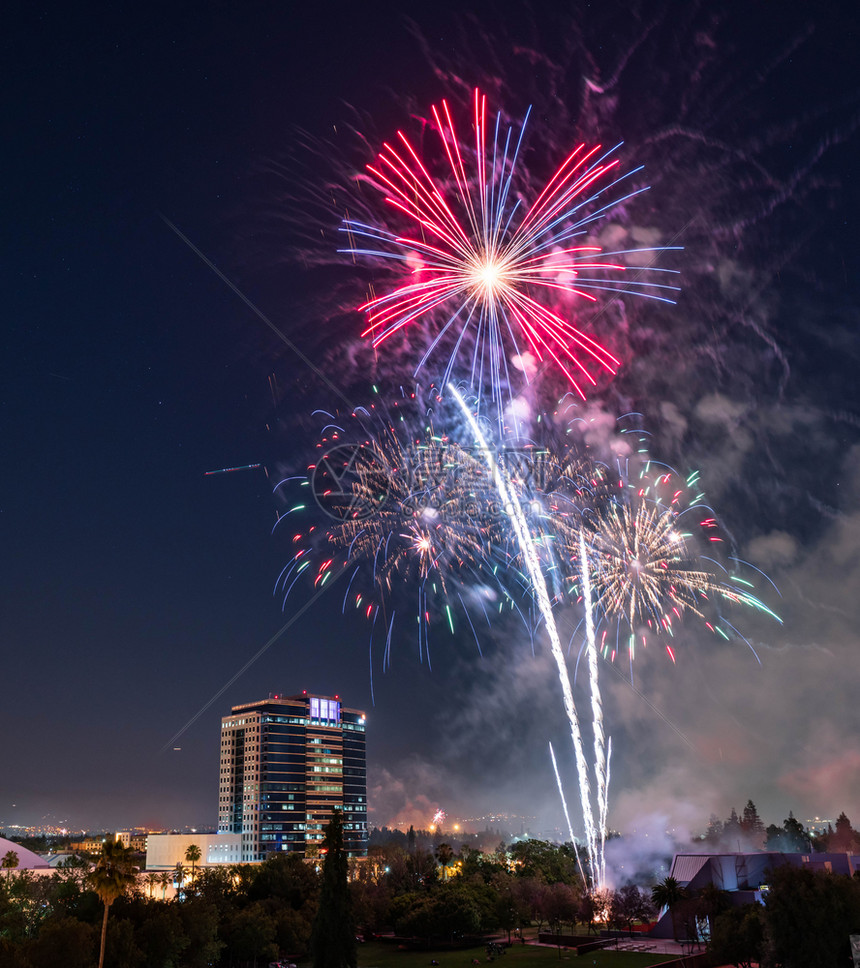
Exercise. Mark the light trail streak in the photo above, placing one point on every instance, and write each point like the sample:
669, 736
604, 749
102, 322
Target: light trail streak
600, 774
566, 812
531, 559
230, 470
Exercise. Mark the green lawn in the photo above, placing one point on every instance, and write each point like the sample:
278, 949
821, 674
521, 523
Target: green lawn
372, 955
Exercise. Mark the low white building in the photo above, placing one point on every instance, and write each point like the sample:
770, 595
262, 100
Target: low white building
165, 851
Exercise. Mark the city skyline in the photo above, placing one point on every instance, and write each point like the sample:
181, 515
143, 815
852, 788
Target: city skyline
138, 585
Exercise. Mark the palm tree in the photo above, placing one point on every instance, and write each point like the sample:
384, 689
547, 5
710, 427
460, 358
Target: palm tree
192, 855
166, 878
444, 854
112, 876
178, 878
151, 879
668, 893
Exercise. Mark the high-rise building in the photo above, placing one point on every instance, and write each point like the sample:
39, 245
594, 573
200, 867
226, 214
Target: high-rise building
286, 764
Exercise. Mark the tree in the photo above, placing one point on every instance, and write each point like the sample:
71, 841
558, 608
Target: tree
668, 893
9, 862
192, 855
444, 854
371, 902
714, 833
28, 902
796, 838
548, 862
250, 934
560, 904
452, 910
822, 839
844, 837
529, 893
506, 908
242, 876
586, 910
68, 889
333, 934
152, 880
614, 910
632, 905
287, 877
732, 831
475, 863
421, 865
752, 826
775, 838
178, 878
112, 876
200, 918
64, 941
737, 936
809, 916
710, 903
161, 935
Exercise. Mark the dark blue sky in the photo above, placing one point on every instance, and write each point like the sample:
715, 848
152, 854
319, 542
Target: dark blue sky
133, 586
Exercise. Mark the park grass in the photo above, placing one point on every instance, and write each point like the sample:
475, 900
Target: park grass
374, 955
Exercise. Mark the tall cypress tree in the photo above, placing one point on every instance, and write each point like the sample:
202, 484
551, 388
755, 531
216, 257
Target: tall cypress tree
333, 935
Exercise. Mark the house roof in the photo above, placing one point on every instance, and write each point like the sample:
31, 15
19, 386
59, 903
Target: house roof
686, 866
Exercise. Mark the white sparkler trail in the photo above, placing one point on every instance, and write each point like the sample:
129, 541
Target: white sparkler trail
566, 814
532, 562
604, 809
600, 775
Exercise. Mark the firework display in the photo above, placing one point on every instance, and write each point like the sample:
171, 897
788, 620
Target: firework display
437, 516
453, 512
651, 552
489, 269
420, 513
434, 521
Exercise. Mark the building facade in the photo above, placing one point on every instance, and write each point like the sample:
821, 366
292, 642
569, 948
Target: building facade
165, 851
744, 876
287, 763
134, 840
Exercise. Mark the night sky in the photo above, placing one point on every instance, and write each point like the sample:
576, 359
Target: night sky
134, 586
